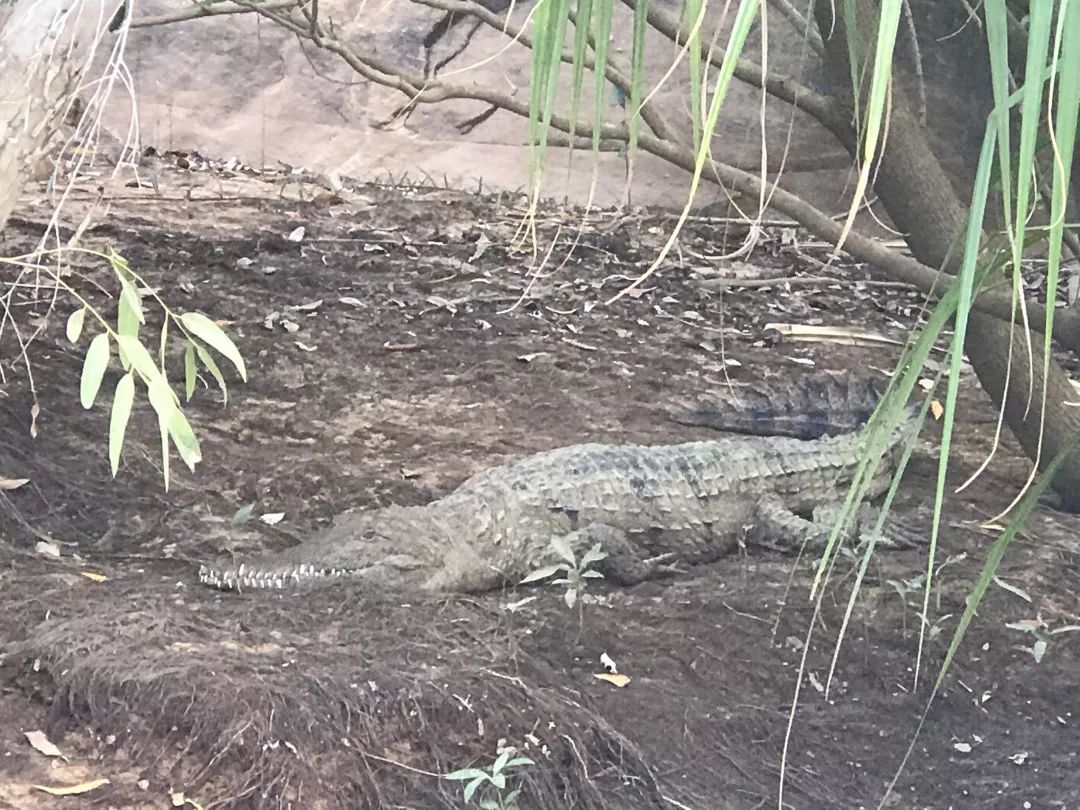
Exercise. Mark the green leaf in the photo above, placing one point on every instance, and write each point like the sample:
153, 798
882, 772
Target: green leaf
243, 515
94, 365
470, 788
175, 423
215, 372
187, 444
594, 554
163, 404
463, 774
209, 332
75, 324
127, 324
190, 372
123, 398
140, 358
129, 295
499, 781
1038, 650
542, 573
501, 761
519, 761
561, 546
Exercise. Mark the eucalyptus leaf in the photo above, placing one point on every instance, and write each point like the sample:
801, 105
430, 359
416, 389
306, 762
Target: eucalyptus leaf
74, 325
209, 332
190, 372
94, 365
211, 366
123, 399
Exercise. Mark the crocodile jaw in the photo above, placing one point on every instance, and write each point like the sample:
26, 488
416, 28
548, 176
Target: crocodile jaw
254, 577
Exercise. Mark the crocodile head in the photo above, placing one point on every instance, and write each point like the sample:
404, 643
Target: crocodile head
363, 545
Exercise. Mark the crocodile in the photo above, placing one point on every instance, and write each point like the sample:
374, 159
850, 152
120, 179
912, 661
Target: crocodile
652, 508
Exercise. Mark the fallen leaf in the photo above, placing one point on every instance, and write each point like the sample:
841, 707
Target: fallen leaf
513, 607
297, 234
400, 347
42, 744
94, 577
12, 483
352, 302
48, 549
310, 306
73, 790
937, 409
962, 747
272, 518
305, 347
290, 326
615, 679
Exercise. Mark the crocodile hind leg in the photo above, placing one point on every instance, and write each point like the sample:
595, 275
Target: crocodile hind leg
778, 528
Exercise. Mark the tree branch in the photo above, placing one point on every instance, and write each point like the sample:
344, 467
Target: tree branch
880, 258
785, 88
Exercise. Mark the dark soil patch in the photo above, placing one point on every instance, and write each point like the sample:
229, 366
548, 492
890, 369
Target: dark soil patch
412, 373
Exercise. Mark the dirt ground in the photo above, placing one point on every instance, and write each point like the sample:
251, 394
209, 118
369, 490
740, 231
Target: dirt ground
390, 357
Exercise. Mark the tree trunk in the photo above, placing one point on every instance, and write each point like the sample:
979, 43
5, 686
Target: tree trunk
44, 45
922, 203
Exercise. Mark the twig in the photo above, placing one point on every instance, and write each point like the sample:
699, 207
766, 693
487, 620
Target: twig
795, 281
801, 24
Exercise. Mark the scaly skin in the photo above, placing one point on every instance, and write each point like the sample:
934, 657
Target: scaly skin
647, 506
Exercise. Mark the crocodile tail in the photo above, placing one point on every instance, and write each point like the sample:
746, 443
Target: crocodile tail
822, 404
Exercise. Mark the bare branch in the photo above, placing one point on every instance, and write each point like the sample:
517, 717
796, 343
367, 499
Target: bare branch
801, 24
785, 88
880, 258
214, 8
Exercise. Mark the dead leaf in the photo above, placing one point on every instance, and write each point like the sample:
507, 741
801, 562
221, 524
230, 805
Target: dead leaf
481, 245
400, 347
831, 334
937, 409
13, 483
48, 549
73, 790
94, 577
305, 347
297, 234
615, 679
290, 326
310, 306
352, 302
577, 344
272, 518
42, 744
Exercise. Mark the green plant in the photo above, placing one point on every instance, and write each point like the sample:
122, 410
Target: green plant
493, 781
198, 332
577, 572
